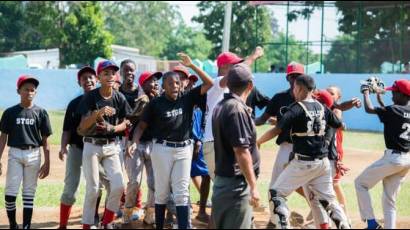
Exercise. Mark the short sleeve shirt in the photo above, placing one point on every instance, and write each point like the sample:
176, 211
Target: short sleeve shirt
233, 126
71, 122
396, 120
276, 108
256, 99
131, 96
172, 120
94, 101
25, 126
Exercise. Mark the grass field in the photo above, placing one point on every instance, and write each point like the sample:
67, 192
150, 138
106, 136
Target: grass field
368, 142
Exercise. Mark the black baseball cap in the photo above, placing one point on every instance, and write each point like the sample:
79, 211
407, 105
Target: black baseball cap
239, 75
85, 69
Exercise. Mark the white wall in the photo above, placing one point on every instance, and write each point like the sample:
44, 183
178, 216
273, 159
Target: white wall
41, 57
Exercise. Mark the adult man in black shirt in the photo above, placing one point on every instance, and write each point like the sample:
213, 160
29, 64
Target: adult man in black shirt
87, 80
24, 128
237, 159
103, 112
307, 120
395, 163
256, 99
169, 117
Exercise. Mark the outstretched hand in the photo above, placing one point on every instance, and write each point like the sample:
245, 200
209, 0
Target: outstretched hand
185, 59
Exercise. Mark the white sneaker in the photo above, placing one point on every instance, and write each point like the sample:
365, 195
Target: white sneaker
137, 214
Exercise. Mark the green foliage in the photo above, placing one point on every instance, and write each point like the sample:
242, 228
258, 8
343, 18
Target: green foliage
147, 25
243, 28
190, 41
85, 37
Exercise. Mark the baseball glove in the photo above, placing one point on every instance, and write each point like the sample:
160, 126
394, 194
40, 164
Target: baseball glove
373, 84
140, 104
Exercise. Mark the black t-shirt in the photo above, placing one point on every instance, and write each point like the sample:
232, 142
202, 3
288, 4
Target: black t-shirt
256, 99
233, 126
131, 96
172, 120
276, 108
331, 143
72, 120
396, 120
94, 101
296, 120
25, 127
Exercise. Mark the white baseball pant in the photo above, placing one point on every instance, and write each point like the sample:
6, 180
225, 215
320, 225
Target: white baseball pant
108, 156
209, 156
392, 170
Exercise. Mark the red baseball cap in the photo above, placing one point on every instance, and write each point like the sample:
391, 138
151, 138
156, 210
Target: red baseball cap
146, 75
295, 68
105, 65
26, 78
227, 58
324, 97
193, 77
182, 69
402, 86
85, 69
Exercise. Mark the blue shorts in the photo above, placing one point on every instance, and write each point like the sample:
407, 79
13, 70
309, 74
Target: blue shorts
198, 167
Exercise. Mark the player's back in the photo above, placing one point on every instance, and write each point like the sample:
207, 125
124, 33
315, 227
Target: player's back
396, 120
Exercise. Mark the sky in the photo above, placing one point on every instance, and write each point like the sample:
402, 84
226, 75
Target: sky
298, 29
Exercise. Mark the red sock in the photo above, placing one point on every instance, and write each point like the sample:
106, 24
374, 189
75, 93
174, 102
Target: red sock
139, 199
65, 211
324, 226
122, 200
108, 217
86, 226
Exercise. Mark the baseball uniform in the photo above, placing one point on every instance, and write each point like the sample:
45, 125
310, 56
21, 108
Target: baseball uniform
25, 128
171, 125
310, 167
105, 149
391, 168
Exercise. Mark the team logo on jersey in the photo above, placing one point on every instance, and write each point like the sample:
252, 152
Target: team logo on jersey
174, 113
406, 115
24, 121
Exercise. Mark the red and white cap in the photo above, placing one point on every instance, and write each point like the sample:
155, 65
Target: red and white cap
324, 97
181, 69
26, 78
146, 75
228, 58
105, 65
193, 78
402, 86
295, 68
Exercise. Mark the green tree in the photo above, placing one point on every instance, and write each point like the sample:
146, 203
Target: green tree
187, 40
84, 37
11, 25
147, 25
243, 28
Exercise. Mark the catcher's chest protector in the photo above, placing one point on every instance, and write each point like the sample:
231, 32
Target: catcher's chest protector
316, 124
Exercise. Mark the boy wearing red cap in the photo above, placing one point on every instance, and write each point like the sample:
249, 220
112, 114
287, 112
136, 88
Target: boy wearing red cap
24, 128
87, 80
141, 157
395, 164
106, 110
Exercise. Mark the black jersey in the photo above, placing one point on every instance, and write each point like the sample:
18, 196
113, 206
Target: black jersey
396, 120
276, 108
72, 120
131, 96
256, 99
307, 122
94, 101
172, 120
25, 126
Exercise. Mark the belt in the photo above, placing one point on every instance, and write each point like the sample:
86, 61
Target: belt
99, 141
308, 158
27, 147
174, 144
398, 152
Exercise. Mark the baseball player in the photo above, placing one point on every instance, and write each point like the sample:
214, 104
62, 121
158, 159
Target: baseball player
103, 112
25, 128
136, 161
395, 164
87, 80
306, 120
169, 117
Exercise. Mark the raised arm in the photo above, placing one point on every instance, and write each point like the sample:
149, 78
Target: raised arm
257, 53
207, 81
368, 106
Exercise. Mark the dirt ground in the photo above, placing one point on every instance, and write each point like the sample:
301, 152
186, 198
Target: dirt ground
48, 217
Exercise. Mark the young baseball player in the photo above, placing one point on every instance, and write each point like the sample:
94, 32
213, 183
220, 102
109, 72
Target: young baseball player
87, 80
136, 161
25, 128
169, 117
106, 110
306, 119
395, 164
